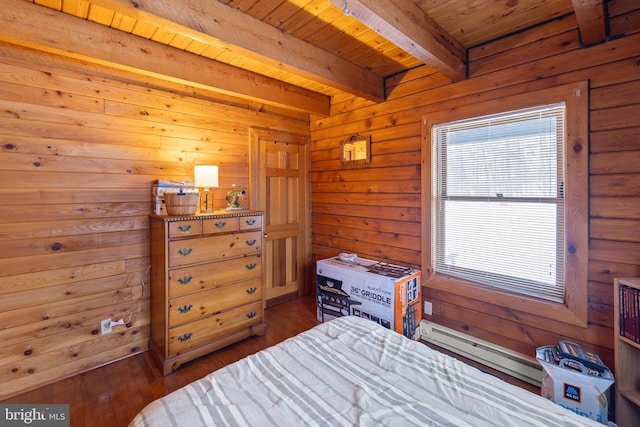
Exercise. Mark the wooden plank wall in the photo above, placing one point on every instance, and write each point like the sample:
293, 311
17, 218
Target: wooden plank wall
375, 211
78, 155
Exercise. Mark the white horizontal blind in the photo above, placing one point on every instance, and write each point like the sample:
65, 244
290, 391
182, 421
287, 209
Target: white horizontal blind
498, 193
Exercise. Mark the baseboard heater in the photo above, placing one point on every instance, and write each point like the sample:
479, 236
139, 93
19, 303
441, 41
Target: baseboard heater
499, 358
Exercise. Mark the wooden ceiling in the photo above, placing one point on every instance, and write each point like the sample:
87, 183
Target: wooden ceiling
309, 50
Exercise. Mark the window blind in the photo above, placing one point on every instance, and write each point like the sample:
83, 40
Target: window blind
498, 192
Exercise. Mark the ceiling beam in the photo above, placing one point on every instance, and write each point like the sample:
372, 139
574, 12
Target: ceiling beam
38, 27
591, 21
245, 36
403, 23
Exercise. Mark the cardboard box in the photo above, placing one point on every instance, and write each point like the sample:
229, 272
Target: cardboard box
384, 293
574, 386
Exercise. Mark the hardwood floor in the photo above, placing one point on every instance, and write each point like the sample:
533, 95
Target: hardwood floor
110, 396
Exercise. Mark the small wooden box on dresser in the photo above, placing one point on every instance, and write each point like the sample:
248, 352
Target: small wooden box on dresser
627, 351
206, 284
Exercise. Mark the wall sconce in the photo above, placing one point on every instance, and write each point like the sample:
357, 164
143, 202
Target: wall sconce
206, 176
356, 149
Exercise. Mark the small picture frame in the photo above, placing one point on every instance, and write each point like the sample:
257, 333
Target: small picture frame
356, 150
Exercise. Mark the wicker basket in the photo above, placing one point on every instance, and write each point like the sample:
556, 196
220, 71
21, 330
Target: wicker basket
181, 203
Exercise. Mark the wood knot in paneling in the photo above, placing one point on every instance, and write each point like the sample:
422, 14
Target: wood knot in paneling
577, 147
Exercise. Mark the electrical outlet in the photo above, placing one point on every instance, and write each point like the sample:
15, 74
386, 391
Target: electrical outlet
105, 326
428, 308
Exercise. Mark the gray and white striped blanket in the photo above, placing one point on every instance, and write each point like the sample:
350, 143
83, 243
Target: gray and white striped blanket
352, 372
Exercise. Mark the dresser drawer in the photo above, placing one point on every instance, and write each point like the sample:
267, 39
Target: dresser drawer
185, 228
219, 225
195, 306
194, 251
201, 332
196, 278
250, 222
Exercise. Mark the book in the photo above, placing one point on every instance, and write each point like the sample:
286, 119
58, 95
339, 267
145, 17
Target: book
629, 316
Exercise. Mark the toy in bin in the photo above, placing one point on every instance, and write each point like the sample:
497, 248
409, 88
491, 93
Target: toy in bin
575, 379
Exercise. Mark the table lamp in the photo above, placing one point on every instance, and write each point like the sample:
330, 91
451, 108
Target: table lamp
206, 176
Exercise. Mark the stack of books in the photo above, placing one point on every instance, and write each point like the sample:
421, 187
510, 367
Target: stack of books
629, 318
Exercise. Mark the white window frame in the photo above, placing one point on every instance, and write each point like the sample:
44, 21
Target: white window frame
573, 309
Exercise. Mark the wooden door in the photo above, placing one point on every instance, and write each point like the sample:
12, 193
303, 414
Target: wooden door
279, 174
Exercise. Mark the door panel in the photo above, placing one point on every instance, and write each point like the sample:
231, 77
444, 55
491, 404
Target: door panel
281, 184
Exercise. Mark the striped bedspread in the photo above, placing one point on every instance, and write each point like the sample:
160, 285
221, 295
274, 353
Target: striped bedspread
352, 372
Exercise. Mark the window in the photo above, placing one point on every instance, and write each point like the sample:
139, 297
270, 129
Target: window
499, 206
505, 202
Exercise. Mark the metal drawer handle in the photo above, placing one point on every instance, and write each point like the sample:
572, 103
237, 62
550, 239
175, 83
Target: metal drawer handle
252, 291
185, 252
221, 224
186, 337
251, 266
251, 221
185, 308
251, 242
184, 280
252, 314
184, 228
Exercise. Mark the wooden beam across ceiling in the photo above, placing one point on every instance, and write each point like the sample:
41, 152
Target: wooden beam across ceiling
41, 28
403, 23
216, 23
591, 21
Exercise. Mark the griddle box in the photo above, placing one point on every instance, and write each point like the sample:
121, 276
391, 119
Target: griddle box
384, 293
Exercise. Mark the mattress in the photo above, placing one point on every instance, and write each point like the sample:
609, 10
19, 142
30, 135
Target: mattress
352, 372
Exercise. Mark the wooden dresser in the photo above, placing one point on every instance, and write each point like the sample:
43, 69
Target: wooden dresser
206, 284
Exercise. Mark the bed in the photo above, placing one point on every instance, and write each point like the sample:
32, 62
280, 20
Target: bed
352, 372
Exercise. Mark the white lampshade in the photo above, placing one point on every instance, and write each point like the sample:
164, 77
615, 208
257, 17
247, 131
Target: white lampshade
205, 176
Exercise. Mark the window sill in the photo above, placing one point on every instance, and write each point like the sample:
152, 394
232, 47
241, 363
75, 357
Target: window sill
573, 312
